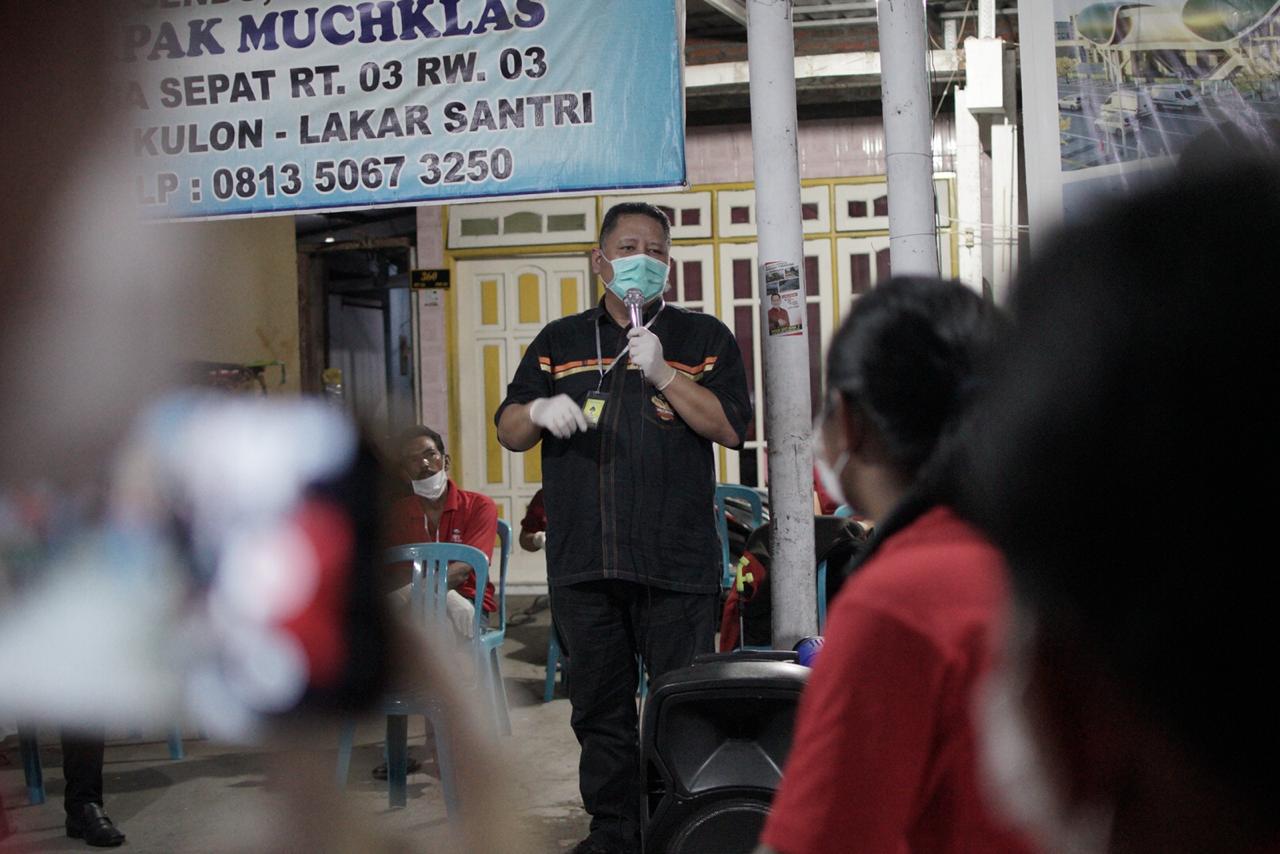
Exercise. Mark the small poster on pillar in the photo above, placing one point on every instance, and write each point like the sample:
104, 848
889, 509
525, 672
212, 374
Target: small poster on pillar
783, 297
1118, 92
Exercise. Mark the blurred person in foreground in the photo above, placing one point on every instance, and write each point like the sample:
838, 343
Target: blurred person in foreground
100, 311
1128, 713
883, 758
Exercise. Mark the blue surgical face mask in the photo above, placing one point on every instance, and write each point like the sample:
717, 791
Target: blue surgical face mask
642, 272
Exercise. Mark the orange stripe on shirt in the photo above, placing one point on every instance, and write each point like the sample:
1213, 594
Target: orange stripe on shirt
707, 364
579, 366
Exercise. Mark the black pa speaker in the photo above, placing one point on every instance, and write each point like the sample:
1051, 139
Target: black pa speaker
714, 738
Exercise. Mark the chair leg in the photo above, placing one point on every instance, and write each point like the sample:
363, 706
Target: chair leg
397, 759
553, 659
444, 760
346, 741
29, 747
175, 743
498, 692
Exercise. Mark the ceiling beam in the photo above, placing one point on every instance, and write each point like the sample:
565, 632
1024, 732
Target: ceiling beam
865, 63
735, 9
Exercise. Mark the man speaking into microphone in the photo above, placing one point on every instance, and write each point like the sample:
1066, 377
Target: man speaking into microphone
627, 415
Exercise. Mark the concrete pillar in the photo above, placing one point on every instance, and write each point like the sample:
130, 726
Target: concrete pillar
771, 60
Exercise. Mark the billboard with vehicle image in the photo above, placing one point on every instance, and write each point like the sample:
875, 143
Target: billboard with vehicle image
1140, 80
1128, 86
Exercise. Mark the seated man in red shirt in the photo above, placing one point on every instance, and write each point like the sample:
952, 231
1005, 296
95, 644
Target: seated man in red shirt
533, 527
437, 511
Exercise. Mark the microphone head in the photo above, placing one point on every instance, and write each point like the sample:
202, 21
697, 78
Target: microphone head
633, 298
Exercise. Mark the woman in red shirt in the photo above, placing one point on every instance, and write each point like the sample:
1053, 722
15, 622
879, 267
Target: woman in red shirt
883, 758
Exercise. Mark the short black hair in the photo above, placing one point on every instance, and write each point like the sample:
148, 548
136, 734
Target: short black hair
422, 430
622, 209
1137, 393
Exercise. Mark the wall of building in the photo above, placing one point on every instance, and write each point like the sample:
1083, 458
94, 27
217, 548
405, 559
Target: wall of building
700, 49
830, 148
251, 314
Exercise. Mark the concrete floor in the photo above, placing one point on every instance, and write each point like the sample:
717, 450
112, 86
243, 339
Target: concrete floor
222, 797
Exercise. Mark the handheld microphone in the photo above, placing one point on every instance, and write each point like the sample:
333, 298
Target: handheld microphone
634, 301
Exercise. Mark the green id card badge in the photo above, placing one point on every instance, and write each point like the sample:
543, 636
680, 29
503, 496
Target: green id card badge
593, 408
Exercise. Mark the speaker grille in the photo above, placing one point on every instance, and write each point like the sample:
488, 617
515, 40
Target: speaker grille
714, 741
722, 827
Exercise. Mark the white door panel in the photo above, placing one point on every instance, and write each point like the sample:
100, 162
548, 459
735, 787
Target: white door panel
502, 304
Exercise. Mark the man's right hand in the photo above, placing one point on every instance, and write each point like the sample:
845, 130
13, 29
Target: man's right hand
558, 414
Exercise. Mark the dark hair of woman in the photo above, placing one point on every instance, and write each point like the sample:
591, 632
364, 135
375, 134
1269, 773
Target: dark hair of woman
910, 357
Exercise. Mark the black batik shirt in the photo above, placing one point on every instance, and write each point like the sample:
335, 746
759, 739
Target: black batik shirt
633, 498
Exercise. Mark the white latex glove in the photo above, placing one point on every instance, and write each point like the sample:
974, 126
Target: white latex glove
539, 540
558, 414
645, 350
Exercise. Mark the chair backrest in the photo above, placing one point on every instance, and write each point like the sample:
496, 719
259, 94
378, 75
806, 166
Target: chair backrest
822, 596
742, 493
504, 537
431, 578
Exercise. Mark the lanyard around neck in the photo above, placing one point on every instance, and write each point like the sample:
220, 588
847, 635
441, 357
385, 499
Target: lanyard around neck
426, 520
600, 352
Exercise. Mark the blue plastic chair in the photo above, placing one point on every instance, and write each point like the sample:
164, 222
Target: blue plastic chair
554, 661
555, 658
33, 769
427, 595
742, 493
29, 747
822, 596
491, 638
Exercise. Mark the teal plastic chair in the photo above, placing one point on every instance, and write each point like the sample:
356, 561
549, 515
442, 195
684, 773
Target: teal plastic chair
427, 595
822, 596
491, 638
753, 500
556, 659
554, 663
29, 747
33, 769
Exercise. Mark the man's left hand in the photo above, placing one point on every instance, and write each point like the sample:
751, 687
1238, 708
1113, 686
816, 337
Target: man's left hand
645, 350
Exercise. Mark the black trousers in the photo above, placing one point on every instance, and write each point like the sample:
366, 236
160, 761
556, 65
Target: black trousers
605, 625
82, 753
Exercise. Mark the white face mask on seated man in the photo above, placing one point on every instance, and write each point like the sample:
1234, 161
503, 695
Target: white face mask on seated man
431, 487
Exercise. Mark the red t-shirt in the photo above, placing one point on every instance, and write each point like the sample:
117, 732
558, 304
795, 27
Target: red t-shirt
468, 518
883, 758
